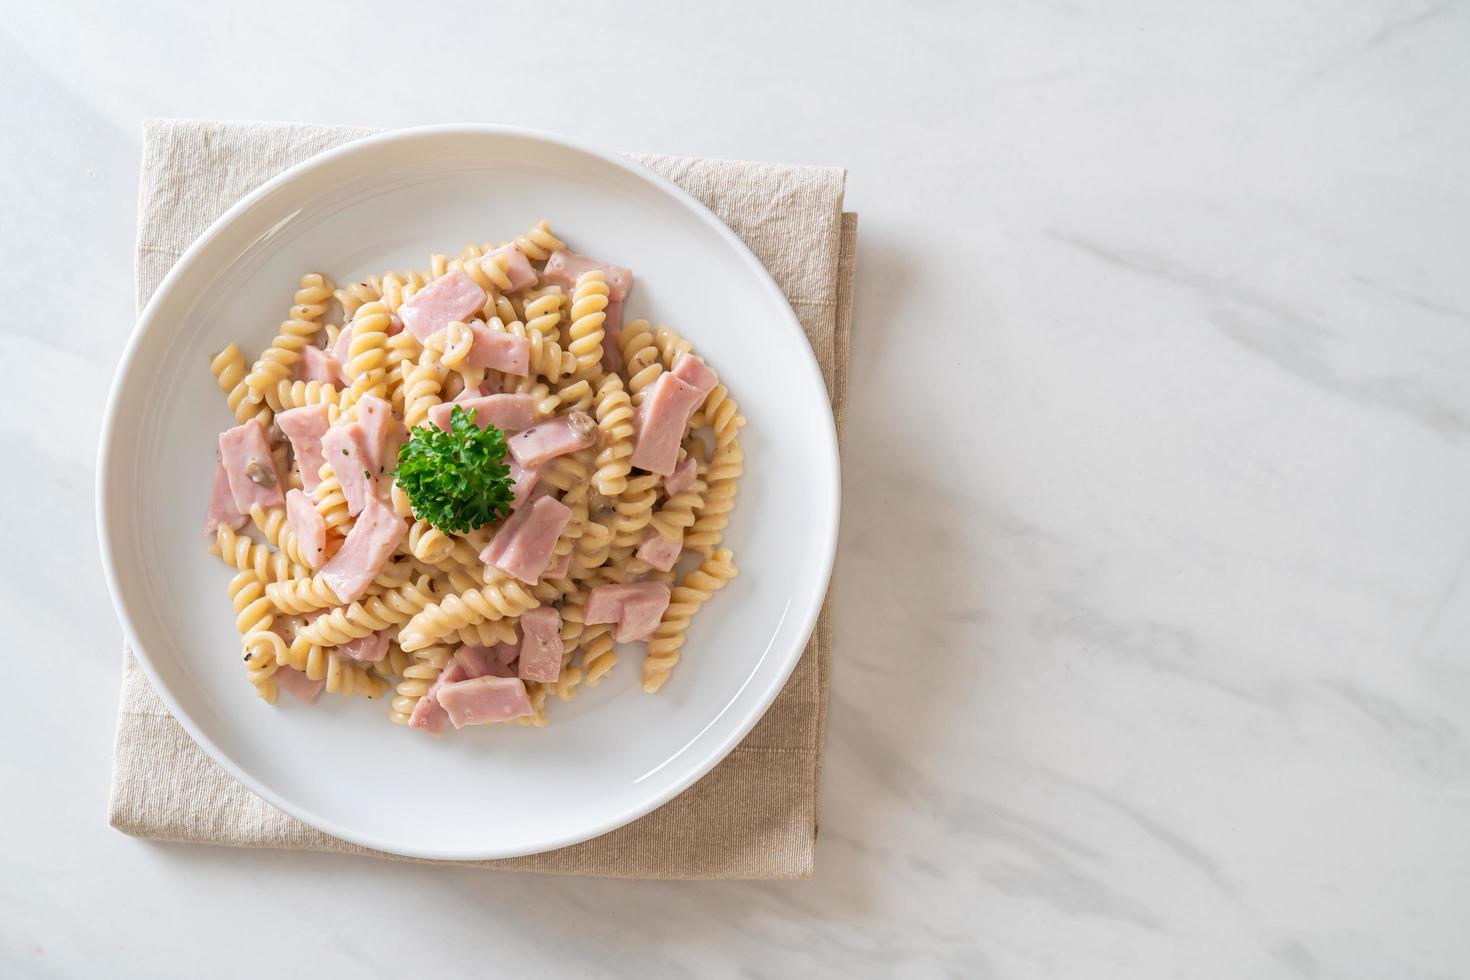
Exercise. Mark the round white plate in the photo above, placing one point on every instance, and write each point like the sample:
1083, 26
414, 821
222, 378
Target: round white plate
614, 753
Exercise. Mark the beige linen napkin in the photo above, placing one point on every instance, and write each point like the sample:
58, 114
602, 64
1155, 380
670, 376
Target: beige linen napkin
755, 814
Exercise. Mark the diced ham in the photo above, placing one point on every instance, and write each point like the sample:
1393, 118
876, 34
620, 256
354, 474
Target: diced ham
317, 365
453, 296
369, 545
392, 442
505, 653
429, 715
222, 510
612, 328
509, 413
250, 468
309, 527
692, 370
559, 567
301, 687
340, 348
499, 351
523, 481
485, 700
661, 422
518, 267
352, 459
480, 661
563, 268
375, 416
634, 608
682, 478
304, 427
541, 646
370, 649
641, 614
659, 551
554, 437
522, 547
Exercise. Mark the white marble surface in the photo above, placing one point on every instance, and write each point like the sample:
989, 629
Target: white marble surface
1152, 603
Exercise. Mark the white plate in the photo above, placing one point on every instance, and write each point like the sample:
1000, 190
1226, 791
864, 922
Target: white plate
340, 765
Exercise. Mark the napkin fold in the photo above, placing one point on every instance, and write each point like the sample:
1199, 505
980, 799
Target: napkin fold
752, 816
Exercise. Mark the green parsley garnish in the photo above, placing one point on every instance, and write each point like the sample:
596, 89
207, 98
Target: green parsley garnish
456, 480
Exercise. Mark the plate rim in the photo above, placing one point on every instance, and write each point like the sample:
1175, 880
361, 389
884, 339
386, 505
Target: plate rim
828, 454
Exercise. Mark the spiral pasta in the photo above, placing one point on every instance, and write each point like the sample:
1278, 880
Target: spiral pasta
354, 295
418, 677
424, 385
331, 503
279, 359
228, 367
614, 411
538, 243
286, 395
366, 369
689, 596
500, 599
640, 359
634, 509
302, 595
392, 608
239, 552
272, 523
677, 513
588, 313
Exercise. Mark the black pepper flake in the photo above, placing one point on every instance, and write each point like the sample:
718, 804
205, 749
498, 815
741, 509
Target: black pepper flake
367, 475
344, 452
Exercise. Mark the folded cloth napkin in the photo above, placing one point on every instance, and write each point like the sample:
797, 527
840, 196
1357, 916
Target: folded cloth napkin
752, 816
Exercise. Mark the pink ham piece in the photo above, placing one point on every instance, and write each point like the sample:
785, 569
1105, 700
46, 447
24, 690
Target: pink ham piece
370, 649
300, 686
369, 545
340, 348
505, 653
563, 268
634, 608
541, 646
522, 547
693, 371
429, 715
376, 418
682, 478
641, 615
659, 551
517, 266
222, 510
309, 527
499, 351
305, 427
485, 700
352, 459
612, 328
453, 296
317, 365
552, 438
523, 481
479, 661
249, 467
509, 413
661, 421
559, 567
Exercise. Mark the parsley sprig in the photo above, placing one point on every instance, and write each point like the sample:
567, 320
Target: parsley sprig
456, 480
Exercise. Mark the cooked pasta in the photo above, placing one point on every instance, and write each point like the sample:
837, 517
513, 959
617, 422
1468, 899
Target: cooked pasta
278, 360
362, 583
